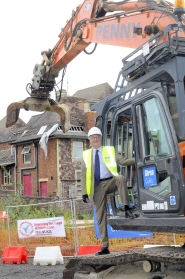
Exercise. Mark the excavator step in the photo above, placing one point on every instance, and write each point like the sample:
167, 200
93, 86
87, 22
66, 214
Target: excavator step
162, 225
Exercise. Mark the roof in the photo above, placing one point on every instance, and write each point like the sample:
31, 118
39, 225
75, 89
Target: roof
3, 130
97, 92
32, 127
30, 132
7, 157
56, 134
48, 119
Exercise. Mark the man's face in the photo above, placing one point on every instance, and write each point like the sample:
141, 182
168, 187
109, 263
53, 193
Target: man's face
95, 141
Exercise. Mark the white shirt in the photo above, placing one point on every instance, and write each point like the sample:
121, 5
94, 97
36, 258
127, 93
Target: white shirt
104, 172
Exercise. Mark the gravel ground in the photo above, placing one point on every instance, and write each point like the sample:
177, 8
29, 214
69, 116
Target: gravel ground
30, 271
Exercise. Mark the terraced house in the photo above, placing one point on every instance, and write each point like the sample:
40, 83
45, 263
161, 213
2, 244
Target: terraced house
49, 170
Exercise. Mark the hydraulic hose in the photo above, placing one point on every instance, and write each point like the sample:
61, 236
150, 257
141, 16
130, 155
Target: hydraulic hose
66, 36
89, 53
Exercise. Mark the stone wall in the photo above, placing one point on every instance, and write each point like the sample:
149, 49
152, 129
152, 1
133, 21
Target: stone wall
77, 109
67, 169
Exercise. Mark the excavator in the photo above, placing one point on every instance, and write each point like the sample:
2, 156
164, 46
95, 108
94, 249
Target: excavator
144, 118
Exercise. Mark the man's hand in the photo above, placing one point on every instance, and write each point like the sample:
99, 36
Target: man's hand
85, 198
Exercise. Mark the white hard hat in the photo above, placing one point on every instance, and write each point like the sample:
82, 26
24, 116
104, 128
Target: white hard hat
94, 131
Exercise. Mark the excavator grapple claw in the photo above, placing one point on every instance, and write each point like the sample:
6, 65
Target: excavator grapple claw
35, 104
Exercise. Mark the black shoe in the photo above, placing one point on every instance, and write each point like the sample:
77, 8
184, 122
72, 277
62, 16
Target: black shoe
130, 214
103, 251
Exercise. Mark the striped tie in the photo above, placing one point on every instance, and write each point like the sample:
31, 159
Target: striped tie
97, 169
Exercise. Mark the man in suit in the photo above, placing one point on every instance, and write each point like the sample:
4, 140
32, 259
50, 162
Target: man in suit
99, 177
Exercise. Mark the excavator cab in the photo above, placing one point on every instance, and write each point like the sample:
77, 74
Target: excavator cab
143, 129
147, 137
144, 119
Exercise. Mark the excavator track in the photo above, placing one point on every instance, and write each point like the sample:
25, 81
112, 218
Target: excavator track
164, 254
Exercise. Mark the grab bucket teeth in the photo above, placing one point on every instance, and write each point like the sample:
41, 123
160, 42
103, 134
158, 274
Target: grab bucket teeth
35, 104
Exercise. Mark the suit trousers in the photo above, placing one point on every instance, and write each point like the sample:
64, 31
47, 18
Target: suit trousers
100, 199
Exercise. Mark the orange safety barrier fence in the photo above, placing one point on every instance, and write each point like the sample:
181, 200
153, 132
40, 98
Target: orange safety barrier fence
86, 236
66, 244
84, 227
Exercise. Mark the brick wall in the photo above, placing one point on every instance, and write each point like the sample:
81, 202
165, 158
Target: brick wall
35, 200
5, 145
22, 168
40, 199
89, 120
46, 168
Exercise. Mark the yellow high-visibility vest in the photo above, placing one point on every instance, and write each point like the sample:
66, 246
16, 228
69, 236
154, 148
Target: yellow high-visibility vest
109, 159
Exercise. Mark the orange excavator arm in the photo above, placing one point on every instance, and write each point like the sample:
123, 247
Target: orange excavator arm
125, 23
125, 28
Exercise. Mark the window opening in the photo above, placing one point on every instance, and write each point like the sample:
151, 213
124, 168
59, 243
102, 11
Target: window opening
174, 114
73, 128
15, 134
156, 135
155, 139
27, 154
42, 130
108, 137
7, 176
25, 150
77, 149
124, 146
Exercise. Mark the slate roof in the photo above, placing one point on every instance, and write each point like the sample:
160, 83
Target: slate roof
48, 119
3, 130
7, 157
97, 92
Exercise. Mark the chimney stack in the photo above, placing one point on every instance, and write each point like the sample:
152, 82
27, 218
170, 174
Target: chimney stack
63, 95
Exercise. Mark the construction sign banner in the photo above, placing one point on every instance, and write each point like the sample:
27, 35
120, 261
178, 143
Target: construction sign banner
41, 227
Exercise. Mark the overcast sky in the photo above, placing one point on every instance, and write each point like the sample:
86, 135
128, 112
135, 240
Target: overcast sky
29, 27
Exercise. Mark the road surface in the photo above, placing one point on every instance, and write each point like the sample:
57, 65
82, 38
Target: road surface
30, 271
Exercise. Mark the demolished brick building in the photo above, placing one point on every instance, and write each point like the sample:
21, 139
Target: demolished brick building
52, 175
